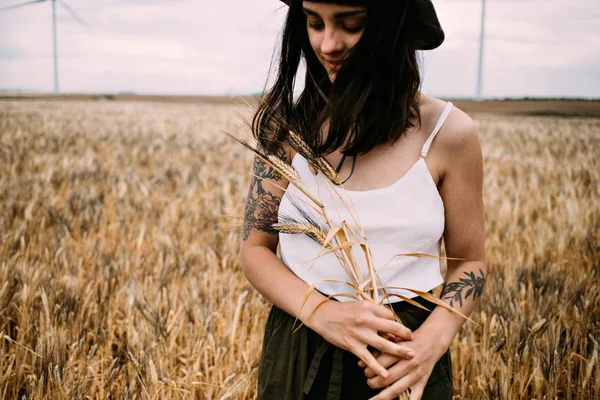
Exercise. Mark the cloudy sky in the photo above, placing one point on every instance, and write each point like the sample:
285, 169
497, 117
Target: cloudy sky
215, 47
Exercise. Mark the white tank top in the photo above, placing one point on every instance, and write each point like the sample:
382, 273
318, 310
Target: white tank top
405, 217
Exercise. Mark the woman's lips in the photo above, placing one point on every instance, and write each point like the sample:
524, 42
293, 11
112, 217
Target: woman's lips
334, 66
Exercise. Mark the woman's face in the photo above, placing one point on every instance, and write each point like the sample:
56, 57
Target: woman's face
333, 30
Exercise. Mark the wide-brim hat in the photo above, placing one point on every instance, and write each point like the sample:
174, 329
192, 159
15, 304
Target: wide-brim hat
429, 33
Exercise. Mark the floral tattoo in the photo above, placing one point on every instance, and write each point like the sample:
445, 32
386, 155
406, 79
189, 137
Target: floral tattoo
472, 284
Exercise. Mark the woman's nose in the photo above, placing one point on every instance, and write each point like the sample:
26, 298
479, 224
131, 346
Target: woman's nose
332, 42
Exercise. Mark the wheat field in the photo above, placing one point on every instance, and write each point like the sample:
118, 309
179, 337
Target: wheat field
119, 256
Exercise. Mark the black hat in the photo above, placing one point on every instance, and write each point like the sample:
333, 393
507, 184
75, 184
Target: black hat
430, 33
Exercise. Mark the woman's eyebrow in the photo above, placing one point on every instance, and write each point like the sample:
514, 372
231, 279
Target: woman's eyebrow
336, 15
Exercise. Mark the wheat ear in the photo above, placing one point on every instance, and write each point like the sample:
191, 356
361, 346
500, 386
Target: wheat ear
314, 160
298, 227
290, 172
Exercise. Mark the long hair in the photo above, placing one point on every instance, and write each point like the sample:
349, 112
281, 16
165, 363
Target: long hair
373, 99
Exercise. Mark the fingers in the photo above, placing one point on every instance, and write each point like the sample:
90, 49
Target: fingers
400, 370
382, 311
386, 361
376, 353
392, 327
367, 358
384, 346
384, 320
368, 321
395, 349
360, 350
416, 393
394, 390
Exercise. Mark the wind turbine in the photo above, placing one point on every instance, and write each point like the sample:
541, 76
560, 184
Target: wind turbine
481, 43
54, 39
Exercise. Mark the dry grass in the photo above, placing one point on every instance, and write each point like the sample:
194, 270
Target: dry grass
118, 279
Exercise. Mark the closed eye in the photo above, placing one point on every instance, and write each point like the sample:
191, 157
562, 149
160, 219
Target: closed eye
353, 29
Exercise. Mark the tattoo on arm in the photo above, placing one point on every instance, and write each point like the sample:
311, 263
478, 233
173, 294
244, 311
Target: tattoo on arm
261, 205
472, 284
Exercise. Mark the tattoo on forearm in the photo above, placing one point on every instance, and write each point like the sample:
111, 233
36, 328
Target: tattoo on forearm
472, 284
261, 205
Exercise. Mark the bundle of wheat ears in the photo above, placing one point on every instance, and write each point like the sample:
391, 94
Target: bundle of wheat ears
339, 239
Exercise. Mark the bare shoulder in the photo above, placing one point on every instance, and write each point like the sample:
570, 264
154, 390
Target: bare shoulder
458, 134
458, 137
456, 144
459, 130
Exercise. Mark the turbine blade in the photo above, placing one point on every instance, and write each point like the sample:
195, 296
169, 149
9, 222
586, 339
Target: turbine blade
74, 14
21, 4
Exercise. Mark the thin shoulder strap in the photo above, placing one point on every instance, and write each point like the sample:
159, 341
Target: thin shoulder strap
437, 128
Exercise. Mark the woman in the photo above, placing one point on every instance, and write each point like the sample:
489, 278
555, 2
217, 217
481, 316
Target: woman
361, 100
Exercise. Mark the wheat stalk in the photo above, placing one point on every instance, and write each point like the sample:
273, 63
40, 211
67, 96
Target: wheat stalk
305, 228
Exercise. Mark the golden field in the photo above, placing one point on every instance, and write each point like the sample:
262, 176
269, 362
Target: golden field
120, 275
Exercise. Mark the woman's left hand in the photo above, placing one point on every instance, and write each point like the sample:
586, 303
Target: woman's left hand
403, 373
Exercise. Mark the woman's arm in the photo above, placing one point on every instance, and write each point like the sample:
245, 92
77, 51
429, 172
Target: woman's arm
461, 191
349, 325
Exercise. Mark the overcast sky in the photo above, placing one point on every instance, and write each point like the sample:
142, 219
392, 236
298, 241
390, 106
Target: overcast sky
214, 47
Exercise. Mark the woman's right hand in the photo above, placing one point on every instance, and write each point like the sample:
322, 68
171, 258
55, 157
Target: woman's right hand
354, 325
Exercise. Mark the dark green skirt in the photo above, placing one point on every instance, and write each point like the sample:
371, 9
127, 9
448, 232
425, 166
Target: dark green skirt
303, 365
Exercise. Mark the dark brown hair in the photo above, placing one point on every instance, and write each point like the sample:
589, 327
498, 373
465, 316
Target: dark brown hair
373, 98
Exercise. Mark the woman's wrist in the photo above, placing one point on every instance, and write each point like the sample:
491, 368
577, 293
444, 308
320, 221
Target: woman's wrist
315, 315
441, 327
